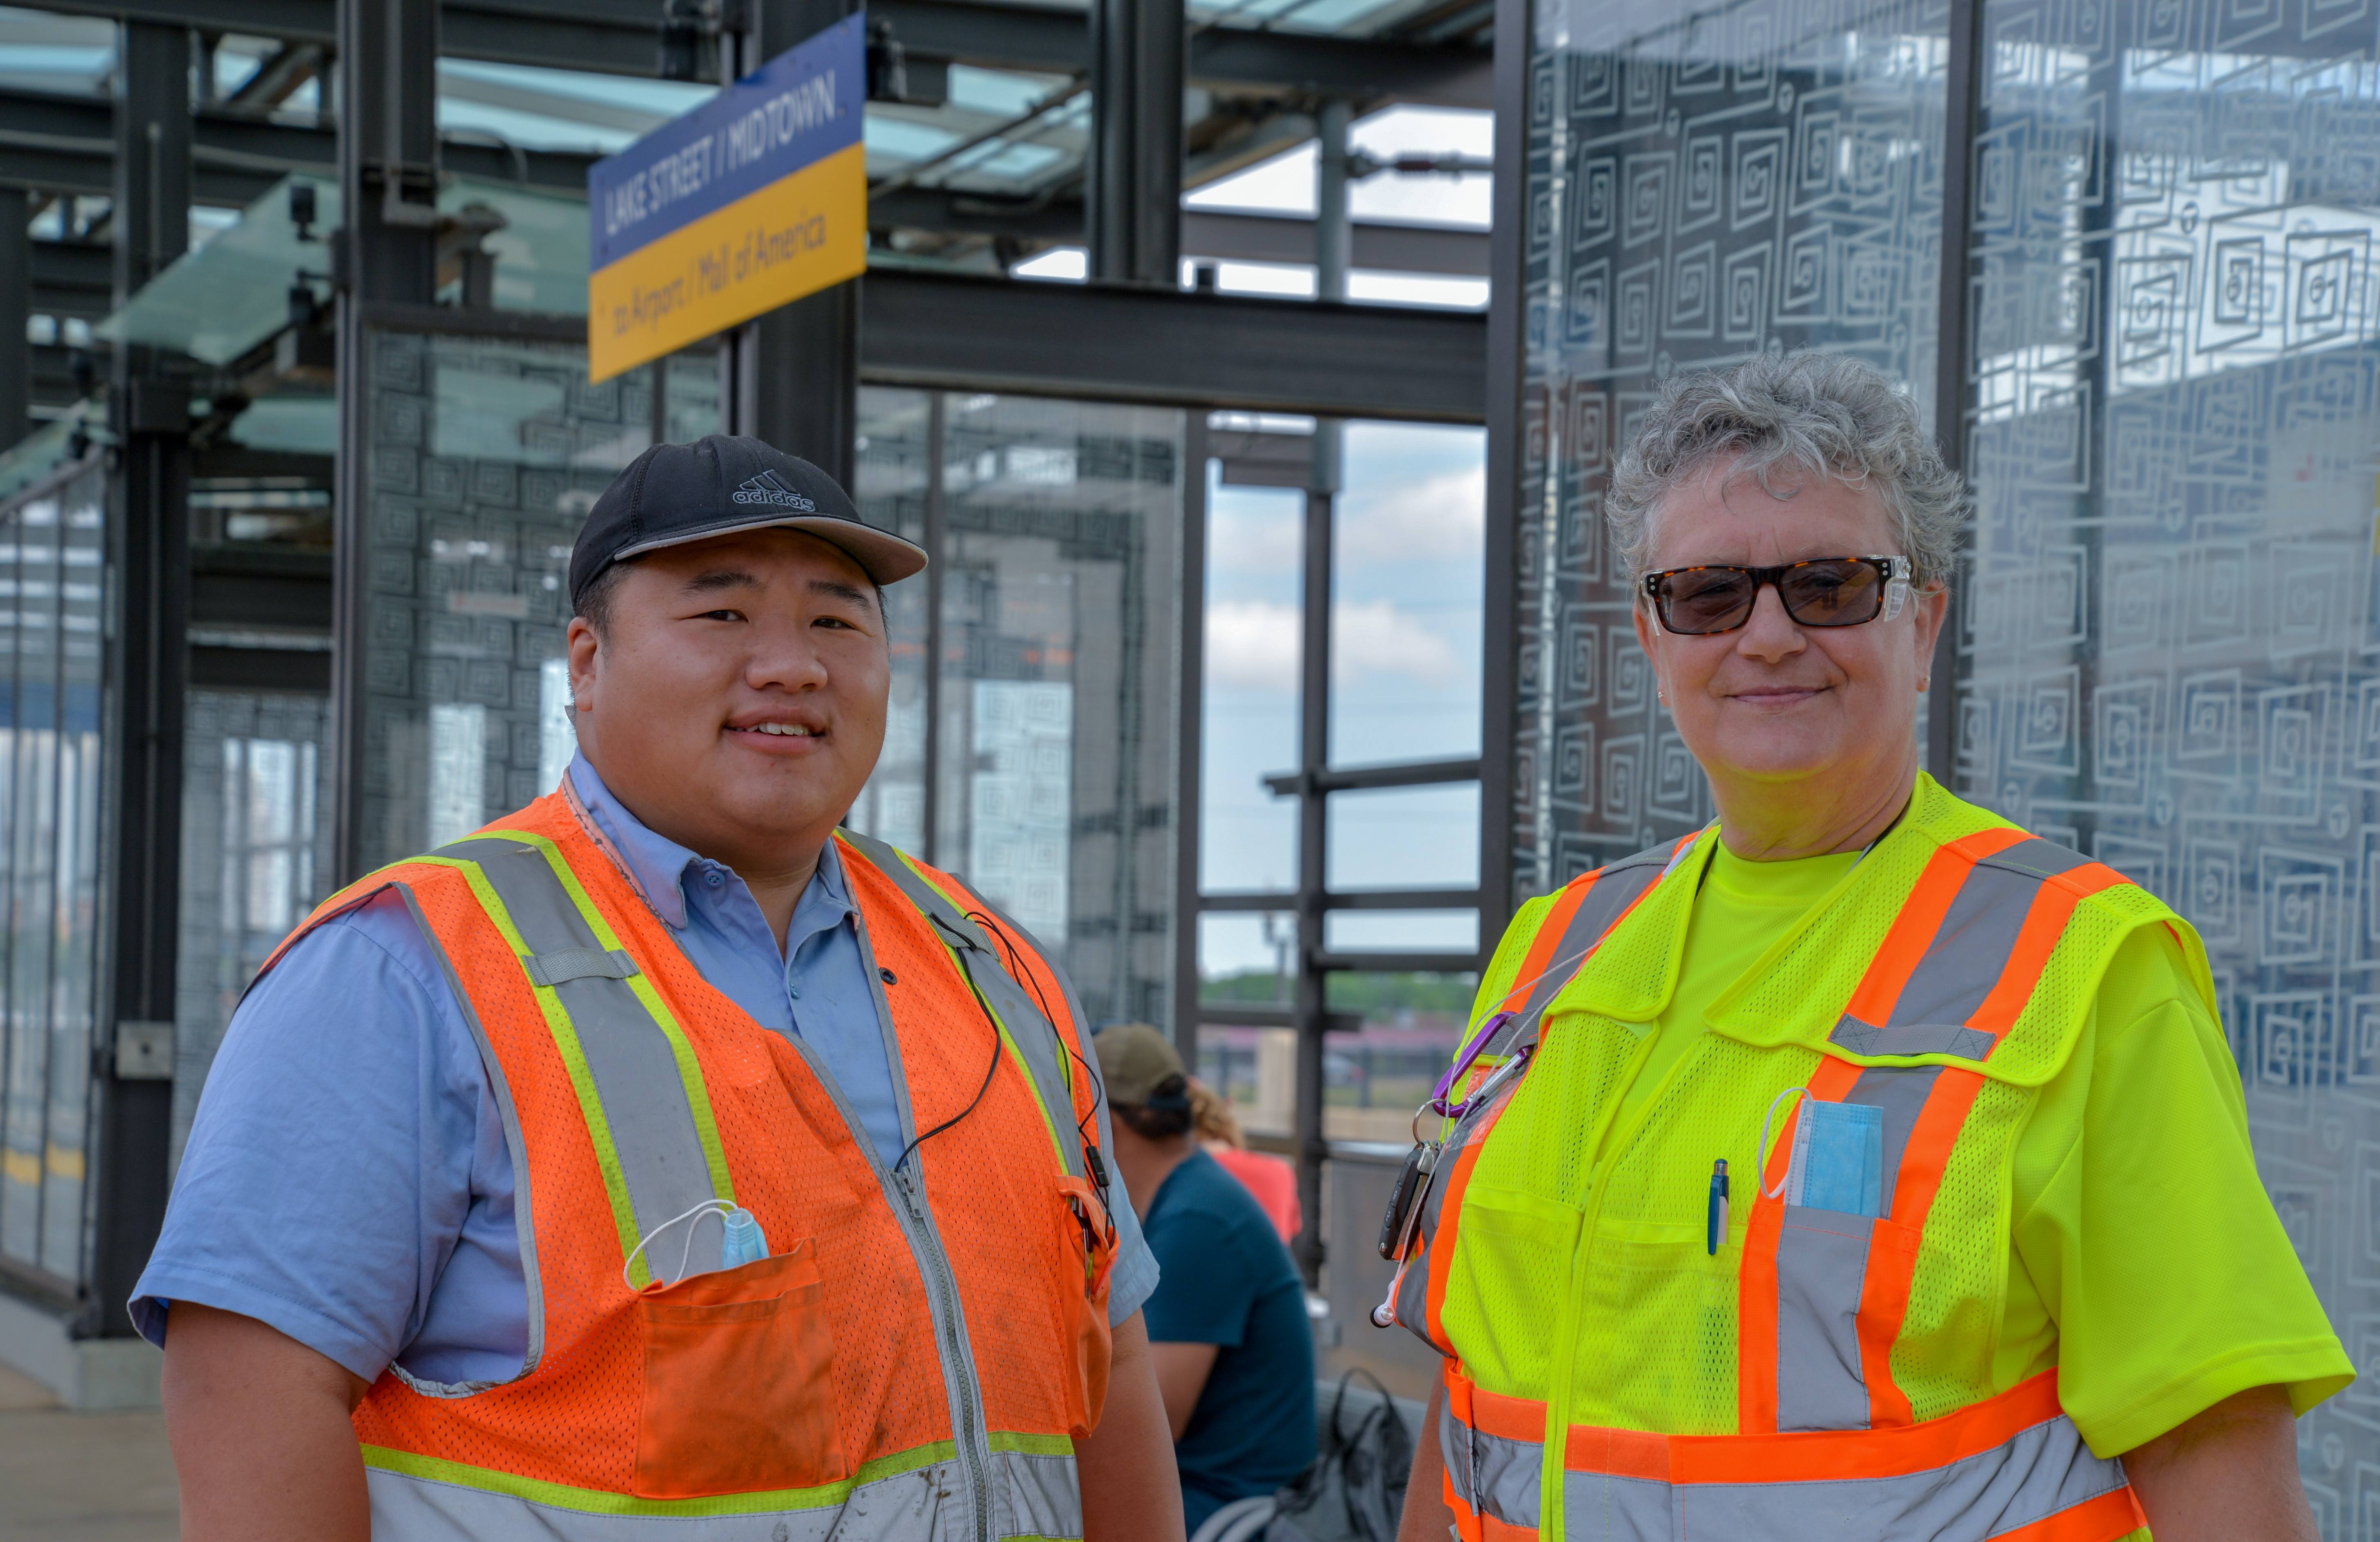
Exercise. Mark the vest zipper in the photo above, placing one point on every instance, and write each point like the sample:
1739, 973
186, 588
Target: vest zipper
1551, 1508
969, 1436
968, 1424
909, 1211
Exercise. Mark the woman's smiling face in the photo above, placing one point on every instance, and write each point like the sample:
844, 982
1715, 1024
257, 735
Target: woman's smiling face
1773, 700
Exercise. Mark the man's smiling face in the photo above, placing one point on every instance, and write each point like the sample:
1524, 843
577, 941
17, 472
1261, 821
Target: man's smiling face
734, 697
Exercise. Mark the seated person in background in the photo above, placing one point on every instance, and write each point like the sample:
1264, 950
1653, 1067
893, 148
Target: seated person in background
1234, 1354
1271, 1180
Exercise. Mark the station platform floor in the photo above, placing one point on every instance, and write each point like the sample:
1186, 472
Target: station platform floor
81, 1477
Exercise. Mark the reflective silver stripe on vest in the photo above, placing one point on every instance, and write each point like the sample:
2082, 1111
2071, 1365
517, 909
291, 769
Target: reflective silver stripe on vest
1495, 1476
1034, 1496
1822, 1270
2043, 1472
979, 956
1965, 958
2040, 1473
567, 965
635, 1071
515, 1148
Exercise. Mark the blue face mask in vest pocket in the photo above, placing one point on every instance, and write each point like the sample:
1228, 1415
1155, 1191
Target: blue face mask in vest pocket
1838, 1158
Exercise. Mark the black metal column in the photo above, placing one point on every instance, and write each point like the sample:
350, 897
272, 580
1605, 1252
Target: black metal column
1961, 123
1132, 191
1189, 733
1500, 670
15, 306
1312, 1005
387, 254
149, 551
792, 377
938, 549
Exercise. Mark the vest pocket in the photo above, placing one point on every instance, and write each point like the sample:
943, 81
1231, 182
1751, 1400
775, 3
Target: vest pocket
739, 1382
1506, 1281
1086, 1258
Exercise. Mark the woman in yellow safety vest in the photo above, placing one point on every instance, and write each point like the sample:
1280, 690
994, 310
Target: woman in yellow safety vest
1863, 1166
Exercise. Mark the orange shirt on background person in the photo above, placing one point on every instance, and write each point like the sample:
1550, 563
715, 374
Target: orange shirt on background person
1270, 1179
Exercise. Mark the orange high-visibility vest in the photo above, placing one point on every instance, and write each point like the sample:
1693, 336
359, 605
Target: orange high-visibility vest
1815, 1375
919, 1349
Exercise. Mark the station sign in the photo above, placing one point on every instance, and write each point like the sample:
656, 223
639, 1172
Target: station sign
751, 200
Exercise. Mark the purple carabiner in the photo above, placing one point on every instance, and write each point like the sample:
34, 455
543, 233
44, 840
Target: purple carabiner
1463, 1061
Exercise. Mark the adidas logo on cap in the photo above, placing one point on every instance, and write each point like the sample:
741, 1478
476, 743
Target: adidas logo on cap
766, 488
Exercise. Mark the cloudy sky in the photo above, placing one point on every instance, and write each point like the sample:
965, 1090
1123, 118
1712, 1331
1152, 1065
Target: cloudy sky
1405, 665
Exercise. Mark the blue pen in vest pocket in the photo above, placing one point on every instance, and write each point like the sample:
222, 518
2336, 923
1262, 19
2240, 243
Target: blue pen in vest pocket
1838, 1158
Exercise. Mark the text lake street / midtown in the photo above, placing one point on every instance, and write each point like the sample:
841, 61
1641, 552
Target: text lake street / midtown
749, 201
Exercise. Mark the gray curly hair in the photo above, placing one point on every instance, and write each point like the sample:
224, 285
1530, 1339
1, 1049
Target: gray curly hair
1825, 412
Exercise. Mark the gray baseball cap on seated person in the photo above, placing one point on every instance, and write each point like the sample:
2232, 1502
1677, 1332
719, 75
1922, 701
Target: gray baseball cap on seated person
718, 486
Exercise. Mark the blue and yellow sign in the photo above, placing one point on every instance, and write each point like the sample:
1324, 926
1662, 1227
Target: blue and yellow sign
754, 198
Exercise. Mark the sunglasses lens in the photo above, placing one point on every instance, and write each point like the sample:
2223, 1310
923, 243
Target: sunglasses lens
1839, 593
1700, 600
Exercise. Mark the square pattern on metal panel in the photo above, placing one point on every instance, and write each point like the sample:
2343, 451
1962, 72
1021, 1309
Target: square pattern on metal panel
1704, 183
2170, 645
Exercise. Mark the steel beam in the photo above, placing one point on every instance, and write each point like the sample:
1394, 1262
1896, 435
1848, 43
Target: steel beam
66, 278
1500, 671
1133, 183
62, 144
1375, 244
388, 188
1963, 113
17, 281
1312, 992
792, 377
1120, 343
149, 555
151, 133
1190, 707
621, 37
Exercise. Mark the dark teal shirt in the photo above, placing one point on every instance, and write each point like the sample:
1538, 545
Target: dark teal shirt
1225, 1280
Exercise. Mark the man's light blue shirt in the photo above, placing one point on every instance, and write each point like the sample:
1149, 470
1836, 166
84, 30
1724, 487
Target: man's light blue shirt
346, 1180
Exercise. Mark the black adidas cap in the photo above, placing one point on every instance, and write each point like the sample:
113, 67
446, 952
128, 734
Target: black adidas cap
717, 485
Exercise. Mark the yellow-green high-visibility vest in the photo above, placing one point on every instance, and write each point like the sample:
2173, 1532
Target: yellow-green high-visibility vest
1825, 1372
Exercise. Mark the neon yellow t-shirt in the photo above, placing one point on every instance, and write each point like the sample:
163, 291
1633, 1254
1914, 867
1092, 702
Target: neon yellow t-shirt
2182, 1289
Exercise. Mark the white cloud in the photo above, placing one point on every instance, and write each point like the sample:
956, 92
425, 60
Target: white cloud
1251, 646
1255, 540
1255, 645
1438, 517
1376, 639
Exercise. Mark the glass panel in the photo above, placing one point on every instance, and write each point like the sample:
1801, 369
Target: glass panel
1060, 582
1373, 1079
1703, 185
486, 456
1404, 837
1377, 931
74, 942
2172, 660
1247, 838
256, 858
1248, 957
895, 468
1255, 1069
52, 701
1406, 575
1354, 1278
